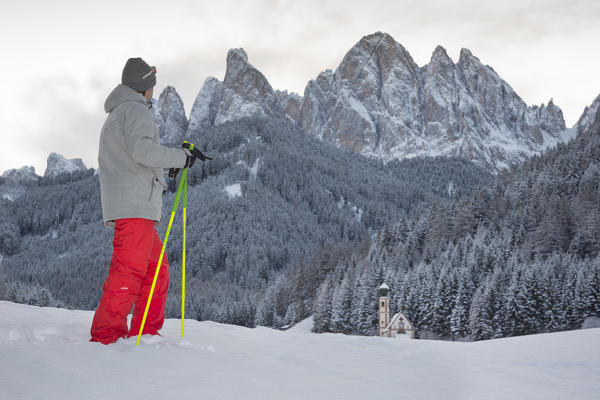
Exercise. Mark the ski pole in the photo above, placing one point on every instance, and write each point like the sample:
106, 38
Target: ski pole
182, 182
184, 177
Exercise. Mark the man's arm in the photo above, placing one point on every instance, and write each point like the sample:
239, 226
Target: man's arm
138, 130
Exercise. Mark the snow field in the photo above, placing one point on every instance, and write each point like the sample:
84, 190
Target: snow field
45, 353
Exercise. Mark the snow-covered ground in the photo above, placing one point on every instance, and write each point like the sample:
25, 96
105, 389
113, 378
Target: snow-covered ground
45, 354
304, 326
234, 190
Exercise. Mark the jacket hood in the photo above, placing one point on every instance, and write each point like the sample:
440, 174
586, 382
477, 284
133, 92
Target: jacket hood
121, 94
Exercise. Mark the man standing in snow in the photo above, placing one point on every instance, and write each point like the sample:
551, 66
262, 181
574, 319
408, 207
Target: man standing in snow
130, 167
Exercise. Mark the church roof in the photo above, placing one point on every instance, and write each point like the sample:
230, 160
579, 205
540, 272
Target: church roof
395, 317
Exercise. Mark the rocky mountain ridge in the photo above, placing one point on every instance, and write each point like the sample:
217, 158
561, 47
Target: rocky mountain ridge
380, 103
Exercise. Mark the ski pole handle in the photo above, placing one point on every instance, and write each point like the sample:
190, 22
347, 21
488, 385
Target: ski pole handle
174, 171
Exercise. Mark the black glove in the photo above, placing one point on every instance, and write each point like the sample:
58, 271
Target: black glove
190, 159
189, 162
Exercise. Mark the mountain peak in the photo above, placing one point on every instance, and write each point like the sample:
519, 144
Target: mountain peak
206, 105
378, 38
57, 164
170, 92
237, 56
168, 99
440, 56
24, 174
589, 115
375, 57
246, 91
467, 60
169, 115
466, 53
439, 49
377, 73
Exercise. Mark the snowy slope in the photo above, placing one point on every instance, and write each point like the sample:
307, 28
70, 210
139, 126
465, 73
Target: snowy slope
45, 353
304, 326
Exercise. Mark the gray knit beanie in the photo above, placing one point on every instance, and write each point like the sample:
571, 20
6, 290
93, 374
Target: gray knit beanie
138, 75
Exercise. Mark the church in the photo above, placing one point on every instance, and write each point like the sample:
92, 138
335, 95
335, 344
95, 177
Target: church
399, 326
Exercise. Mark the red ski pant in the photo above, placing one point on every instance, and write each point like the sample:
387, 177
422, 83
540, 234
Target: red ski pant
136, 249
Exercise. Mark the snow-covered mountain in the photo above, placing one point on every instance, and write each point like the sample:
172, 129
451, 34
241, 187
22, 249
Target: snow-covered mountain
57, 164
169, 115
244, 92
380, 103
15, 182
42, 348
21, 175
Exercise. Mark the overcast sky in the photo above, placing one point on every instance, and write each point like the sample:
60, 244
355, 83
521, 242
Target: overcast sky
60, 59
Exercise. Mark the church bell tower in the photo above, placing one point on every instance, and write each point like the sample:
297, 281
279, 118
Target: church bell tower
384, 309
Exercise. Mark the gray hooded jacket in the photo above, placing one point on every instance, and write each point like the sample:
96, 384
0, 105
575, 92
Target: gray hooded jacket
131, 159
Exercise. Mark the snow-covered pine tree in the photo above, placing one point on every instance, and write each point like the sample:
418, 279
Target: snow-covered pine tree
322, 308
459, 319
593, 289
445, 292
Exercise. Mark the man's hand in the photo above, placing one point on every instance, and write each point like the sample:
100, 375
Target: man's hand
194, 154
191, 156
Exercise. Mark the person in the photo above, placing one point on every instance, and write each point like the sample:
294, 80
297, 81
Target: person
130, 167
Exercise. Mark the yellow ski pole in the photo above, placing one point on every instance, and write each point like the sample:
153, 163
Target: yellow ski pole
182, 181
184, 176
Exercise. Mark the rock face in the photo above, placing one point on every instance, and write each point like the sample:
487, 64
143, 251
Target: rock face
57, 164
169, 115
379, 103
291, 104
22, 175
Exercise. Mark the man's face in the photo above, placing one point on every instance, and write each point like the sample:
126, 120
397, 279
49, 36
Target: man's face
148, 94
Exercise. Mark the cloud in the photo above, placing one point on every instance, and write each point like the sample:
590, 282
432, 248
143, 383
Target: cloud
57, 114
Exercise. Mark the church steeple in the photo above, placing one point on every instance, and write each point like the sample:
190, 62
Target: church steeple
384, 309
